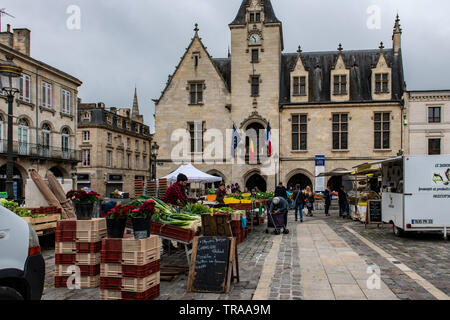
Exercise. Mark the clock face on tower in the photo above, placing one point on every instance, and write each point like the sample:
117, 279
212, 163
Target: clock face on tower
255, 38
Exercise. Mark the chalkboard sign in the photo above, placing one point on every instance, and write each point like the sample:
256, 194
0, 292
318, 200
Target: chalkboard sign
211, 264
374, 212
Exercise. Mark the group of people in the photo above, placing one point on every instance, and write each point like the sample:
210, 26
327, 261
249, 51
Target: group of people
297, 199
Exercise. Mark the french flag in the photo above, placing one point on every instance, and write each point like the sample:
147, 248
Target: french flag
269, 141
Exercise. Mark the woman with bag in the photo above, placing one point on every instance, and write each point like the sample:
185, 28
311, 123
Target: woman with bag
309, 200
298, 202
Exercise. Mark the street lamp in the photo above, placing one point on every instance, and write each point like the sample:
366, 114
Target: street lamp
10, 75
155, 149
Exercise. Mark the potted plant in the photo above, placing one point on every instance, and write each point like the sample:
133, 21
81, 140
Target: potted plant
141, 219
116, 221
211, 196
84, 203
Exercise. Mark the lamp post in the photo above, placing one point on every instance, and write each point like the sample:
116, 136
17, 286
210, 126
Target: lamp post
155, 150
10, 84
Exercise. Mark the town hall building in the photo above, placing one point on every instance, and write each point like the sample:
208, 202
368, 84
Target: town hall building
346, 106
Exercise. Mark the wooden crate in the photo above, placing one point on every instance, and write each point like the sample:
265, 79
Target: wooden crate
43, 223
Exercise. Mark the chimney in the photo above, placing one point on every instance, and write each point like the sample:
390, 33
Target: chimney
8, 28
22, 40
7, 38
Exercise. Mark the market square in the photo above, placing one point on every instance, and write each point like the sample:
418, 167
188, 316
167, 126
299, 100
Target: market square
289, 166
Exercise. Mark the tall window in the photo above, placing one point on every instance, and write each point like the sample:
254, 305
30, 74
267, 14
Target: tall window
382, 83
434, 147
109, 137
299, 86
300, 132
340, 131
109, 159
25, 88
196, 92
23, 137
137, 162
86, 158
66, 102
144, 163
86, 136
434, 115
128, 143
255, 17
136, 145
128, 161
255, 55
45, 143
382, 130
255, 86
65, 143
196, 133
340, 84
47, 95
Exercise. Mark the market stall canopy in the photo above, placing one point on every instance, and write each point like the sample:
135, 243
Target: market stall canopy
379, 162
335, 174
194, 175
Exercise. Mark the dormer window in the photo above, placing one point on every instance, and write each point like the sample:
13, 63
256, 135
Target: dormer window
86, 116
255, 17
340, 84
299, 86
382, 83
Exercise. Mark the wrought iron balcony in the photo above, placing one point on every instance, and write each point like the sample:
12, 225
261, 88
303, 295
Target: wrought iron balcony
21, 149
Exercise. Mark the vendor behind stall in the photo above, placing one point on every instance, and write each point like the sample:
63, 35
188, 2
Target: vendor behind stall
177, 192
221, 193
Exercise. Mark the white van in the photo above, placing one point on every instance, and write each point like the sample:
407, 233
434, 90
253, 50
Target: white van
22, 267
416, 193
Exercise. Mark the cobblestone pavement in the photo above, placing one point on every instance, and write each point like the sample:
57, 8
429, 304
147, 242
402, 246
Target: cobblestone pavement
427, 255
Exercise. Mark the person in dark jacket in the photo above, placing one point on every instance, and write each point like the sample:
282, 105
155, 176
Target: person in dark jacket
343, 202
328, 198
298, 199
281, 191
221, 193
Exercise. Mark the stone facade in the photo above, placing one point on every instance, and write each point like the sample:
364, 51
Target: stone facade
44, 125
115, 146
258, 84
422, 127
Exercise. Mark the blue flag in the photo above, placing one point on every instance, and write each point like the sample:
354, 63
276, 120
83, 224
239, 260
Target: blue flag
236, 141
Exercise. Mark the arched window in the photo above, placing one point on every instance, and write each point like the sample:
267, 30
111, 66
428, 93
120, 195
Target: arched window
45, 143
24, 137
65, 143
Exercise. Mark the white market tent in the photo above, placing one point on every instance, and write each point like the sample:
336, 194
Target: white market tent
194, 175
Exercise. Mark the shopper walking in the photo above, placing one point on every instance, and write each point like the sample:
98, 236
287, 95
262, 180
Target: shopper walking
328, 199
299, 202
309, 200
343, 203
281, 191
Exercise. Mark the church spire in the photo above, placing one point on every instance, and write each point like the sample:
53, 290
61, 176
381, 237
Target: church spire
135, 111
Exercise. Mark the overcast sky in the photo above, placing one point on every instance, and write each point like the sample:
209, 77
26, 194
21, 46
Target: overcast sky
139, 42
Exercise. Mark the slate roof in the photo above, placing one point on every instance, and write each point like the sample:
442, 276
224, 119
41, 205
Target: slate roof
360, 74
269, 13
224, 66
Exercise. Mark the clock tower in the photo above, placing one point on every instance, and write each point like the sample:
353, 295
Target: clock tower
256, 47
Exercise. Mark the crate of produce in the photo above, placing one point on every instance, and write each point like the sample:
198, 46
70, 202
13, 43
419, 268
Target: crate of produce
97, 224
65, 248
132, 245
176, 233
240, 206
68, 270
89, 247
43, 223
65, 259
141, 258
109, 283
88, 259
140, 272
90, 236
85, 282
140, 285
110, 270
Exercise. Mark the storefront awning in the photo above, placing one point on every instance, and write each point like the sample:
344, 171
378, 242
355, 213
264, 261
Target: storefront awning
335, 174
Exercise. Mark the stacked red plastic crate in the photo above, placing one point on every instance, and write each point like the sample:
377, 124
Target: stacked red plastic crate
130, 269
78, 246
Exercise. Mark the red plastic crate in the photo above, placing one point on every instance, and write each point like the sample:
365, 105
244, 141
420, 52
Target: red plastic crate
65, 258
67, 225
156, 228
65, 236
85, 271
112, 245
110, 283
140, 272
89, 247
111, 257
177, 233
86, 282
150, 294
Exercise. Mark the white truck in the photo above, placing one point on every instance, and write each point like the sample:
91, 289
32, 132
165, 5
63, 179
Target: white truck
416, 193
22, 267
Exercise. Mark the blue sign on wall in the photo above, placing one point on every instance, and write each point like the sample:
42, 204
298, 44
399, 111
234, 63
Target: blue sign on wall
320, 161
